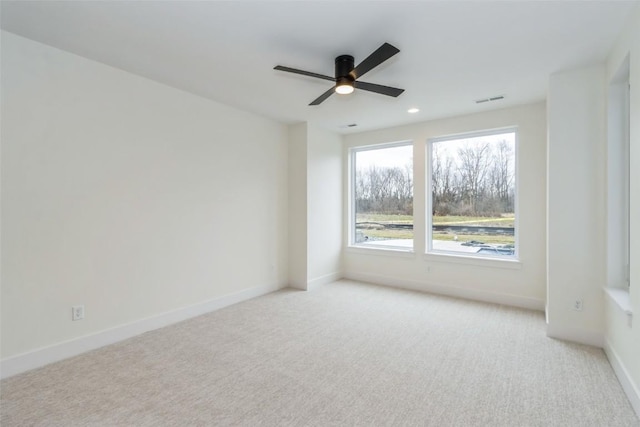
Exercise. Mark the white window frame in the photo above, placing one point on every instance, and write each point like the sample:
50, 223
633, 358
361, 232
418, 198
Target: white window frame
352, 199
429, 200
618, 179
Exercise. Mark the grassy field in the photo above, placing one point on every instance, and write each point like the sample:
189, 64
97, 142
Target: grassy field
388, 234
384, 219
506, 220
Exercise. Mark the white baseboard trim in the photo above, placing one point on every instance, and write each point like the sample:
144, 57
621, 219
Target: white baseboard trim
630, 388
323, 280
43, 356
580, 336
453, 291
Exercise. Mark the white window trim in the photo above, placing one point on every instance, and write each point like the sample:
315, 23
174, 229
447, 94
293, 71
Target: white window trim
618, 179
496, 260
351, 245
393, 251
480, 261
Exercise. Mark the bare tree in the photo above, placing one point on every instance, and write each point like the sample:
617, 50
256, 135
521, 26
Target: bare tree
501, 175
384, 190
443, 181
478, 179
472, 169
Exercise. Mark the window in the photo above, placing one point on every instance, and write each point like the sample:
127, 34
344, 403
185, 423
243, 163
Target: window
382, 196
472, 208
618, 179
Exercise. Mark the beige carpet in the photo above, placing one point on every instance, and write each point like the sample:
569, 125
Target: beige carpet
345, 354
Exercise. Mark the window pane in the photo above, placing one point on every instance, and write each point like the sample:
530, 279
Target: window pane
473, 192
382, 188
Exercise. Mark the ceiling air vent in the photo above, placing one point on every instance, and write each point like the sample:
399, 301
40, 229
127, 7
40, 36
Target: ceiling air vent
350, 125
493, 98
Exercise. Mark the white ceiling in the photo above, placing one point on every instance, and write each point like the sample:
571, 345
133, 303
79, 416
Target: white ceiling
451, 52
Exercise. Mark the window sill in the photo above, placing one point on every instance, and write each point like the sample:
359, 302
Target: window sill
382, 251
509, 264
622, 298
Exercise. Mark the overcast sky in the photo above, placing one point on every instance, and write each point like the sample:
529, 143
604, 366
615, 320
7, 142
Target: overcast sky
386, 157
403, 155
451, 147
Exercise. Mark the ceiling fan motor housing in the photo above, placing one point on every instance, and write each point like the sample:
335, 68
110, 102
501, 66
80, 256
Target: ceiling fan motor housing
344, 66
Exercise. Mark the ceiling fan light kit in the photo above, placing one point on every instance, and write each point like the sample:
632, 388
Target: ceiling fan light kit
344, 86
346, 75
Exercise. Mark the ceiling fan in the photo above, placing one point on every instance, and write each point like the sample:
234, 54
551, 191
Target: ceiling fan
346, 78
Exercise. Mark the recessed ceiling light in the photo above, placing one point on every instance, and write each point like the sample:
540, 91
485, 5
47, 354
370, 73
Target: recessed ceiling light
413, 110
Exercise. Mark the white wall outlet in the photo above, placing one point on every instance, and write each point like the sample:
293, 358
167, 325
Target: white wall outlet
77, 312
577, 304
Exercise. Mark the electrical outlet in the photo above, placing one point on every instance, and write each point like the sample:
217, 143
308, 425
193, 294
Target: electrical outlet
77, 312
577, 304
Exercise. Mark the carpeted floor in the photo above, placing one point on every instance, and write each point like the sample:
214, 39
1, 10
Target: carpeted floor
346, 354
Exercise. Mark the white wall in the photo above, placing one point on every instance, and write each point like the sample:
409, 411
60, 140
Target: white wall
622, 341
324, 206
576, 204
520, 284
298, 206
315, 206
127, 196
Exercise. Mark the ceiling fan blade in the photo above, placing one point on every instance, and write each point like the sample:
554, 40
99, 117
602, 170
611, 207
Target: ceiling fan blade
384, 90
381, 54
304, 73
322, 97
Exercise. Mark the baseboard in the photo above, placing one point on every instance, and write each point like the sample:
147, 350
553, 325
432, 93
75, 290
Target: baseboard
323, 280
43, 356
630, 388
453, 291
580, 336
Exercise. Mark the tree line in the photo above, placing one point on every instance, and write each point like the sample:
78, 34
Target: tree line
473, 180
386, 190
